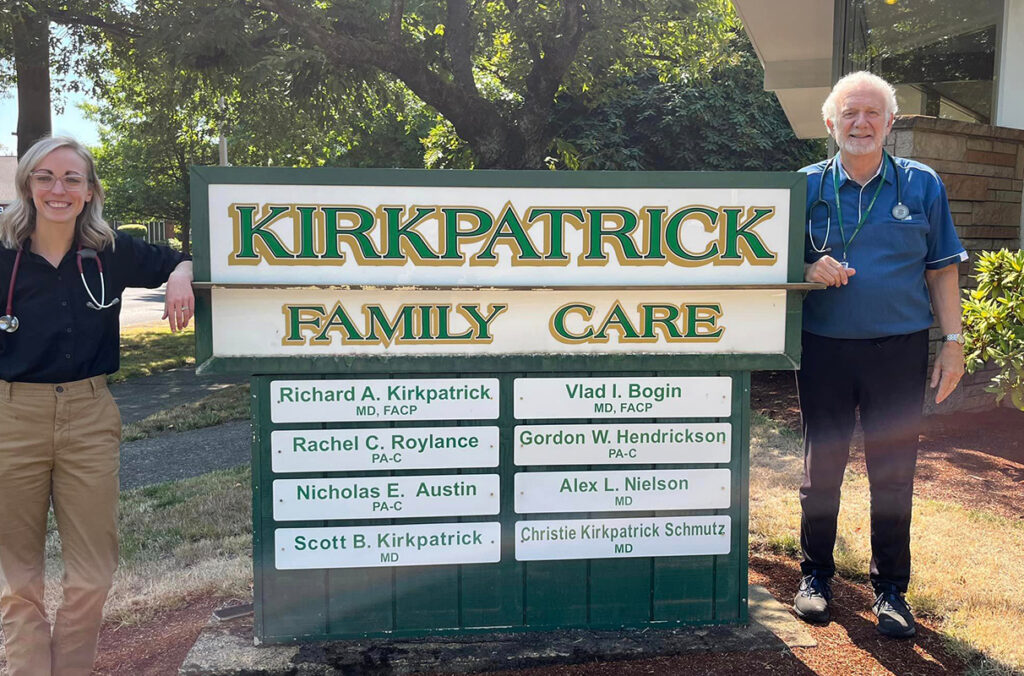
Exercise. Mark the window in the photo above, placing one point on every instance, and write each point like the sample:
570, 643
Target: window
939, 54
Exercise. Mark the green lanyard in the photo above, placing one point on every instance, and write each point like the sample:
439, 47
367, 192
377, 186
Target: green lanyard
864, 215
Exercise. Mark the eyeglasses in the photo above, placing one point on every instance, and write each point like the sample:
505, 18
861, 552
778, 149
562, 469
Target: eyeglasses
45, 181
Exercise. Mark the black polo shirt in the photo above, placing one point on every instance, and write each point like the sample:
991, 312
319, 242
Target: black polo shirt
60, 339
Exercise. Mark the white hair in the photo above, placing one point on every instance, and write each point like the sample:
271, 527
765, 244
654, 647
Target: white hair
830, 109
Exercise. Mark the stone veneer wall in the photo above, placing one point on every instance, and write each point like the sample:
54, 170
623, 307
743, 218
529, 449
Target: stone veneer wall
983, 169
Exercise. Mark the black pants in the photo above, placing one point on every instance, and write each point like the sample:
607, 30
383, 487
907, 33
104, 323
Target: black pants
885, 378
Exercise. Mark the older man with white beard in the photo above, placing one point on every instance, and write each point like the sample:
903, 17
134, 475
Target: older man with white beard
880, 237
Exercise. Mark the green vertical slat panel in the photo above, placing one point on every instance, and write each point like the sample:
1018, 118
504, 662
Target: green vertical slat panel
492, 593
742, 499
294, 601
257, 400
683, 589
360, 600
730, 568
426, 597
620, 588
555, 591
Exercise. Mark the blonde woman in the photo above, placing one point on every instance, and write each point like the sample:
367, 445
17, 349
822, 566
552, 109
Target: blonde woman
62, 271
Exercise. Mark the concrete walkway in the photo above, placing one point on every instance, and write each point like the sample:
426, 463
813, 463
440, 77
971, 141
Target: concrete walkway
177, 455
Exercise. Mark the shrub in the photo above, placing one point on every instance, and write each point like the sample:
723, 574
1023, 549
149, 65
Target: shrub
994, 322
134, 229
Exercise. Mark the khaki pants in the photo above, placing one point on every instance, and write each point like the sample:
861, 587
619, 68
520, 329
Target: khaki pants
58, 442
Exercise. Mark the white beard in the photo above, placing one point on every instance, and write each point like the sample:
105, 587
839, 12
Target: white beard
859, 146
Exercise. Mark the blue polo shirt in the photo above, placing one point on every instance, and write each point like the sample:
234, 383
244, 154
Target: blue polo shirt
887, 296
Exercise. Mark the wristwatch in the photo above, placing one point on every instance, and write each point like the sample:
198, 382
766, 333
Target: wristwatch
953, 338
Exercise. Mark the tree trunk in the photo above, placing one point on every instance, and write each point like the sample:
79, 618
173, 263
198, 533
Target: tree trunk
32, 68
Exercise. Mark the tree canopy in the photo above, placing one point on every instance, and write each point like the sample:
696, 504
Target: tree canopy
492, 69
30, 52
657, 84
726, 122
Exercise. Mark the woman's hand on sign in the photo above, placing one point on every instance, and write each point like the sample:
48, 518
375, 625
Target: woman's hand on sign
828, 271
179, 301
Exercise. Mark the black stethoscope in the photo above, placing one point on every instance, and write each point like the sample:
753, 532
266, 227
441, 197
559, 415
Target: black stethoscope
900, 211
9, 322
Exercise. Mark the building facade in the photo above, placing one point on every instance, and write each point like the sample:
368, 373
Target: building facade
958, 69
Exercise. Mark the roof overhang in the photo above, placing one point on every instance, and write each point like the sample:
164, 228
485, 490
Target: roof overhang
794, 42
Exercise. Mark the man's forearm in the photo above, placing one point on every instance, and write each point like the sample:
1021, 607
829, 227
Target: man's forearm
944, 289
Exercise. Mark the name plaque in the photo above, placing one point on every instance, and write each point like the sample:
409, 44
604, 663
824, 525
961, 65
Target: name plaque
673, 397
303, 401
385, 497
637, 443
621, 538
426, 544
346, 450
621, 490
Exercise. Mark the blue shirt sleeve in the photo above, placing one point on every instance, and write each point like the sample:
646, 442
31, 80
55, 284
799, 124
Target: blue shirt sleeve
944, 246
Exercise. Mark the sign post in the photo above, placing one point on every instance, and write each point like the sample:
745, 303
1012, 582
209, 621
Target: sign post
497, 400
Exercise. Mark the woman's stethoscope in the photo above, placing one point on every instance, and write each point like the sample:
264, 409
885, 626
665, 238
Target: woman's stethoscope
10, 323
900, 211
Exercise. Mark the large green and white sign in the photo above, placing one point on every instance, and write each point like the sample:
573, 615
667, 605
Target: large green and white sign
496, 400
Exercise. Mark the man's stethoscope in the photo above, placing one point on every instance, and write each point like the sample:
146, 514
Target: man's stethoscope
900, 211
9, 322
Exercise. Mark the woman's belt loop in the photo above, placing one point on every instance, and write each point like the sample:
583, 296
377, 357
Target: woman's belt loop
98, 384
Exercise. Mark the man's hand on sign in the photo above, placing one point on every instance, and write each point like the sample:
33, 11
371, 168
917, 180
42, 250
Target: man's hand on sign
828, 271
948, 370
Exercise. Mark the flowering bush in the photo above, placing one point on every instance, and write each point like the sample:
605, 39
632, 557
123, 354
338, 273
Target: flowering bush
994, 322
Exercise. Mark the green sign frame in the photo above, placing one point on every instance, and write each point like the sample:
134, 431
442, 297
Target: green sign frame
320, 604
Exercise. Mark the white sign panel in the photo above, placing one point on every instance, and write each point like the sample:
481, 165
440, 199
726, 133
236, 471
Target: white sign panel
350, 450
637, 443
620, 538
503, 236
385, 497
373, 400
426, 544
621, 491
419, 322
623, 397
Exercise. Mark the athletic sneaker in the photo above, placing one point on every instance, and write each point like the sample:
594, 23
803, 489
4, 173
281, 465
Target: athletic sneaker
894, 616
811, 601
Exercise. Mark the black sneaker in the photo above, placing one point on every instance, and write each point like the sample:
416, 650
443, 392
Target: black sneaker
894, 616
811, 601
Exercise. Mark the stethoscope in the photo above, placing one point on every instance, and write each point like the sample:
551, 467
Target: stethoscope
900, 211
9, 322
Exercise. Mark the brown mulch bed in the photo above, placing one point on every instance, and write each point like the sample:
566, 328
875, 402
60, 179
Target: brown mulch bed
976, 460
157, 647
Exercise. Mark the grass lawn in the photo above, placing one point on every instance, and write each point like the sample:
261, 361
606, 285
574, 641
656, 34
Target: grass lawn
230, 403
146, 350
968, 564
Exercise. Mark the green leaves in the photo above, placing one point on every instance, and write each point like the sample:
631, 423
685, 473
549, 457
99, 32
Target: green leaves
724, 121
993, 315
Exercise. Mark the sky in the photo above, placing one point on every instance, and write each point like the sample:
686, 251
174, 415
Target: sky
71, 123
